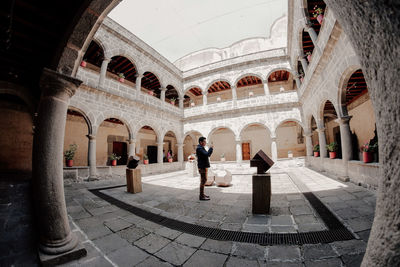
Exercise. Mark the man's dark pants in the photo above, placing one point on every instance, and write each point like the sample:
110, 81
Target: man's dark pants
203, 180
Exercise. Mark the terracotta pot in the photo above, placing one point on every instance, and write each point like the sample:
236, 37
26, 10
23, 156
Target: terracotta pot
320, 18
83, 64
121, 80
308, 58
301, 79
316, 154
169, 160
332, 155
192, 104
367, 156
145, 161
69, 162
151, 93
114, 162
172, 102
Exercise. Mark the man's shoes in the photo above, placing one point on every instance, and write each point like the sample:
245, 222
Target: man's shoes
204, 197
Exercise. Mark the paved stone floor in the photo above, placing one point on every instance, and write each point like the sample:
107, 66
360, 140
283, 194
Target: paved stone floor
115, 237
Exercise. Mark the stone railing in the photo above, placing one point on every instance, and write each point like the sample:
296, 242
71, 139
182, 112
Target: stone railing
251, 102
113, 86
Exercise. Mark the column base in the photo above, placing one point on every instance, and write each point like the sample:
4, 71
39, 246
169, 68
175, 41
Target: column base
50, 260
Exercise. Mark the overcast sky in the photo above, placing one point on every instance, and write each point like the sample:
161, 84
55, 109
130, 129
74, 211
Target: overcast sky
176, 28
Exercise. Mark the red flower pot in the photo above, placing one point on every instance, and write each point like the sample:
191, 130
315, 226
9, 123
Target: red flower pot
308, 58
367, 157
83, 64
69, 162
145, 161
301, 79
121, 80
169, 160
332, 155
316, 154
320, 18
172, 102
151, 93
114, 162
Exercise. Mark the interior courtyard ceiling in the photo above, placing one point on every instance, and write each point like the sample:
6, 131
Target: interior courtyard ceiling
202, 31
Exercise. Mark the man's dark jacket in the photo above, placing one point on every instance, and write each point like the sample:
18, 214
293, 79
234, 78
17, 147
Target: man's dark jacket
202, 157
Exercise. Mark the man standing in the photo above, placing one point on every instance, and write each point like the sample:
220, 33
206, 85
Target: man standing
203, 163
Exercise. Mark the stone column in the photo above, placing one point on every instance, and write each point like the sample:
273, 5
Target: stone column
304, 62
204, 99
322, 142
92, 156
238, 151
309, 145
180, 152
312, 33
345, 136
131, 147
274, 149
160, 152
163, 90
297, 79
139, 82
103, 71
266, 89
234, 96
55, 236
181, 98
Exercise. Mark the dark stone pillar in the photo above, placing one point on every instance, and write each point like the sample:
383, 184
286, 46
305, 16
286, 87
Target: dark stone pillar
56, 241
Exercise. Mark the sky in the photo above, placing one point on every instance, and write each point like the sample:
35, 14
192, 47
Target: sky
176, 28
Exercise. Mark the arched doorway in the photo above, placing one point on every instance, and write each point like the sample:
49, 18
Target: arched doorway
147, 144
193, 97
281, 81
290, 140
224, 144
255, 137
112, 138
332, 128
249, 86
219, 91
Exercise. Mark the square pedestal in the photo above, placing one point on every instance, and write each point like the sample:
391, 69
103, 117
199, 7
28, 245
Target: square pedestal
261, 193
133, 181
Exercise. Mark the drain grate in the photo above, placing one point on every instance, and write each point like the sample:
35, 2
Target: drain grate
337, 231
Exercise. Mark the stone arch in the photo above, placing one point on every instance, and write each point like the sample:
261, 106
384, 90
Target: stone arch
251, 124
104, 116
217, 80
322, 106
342, 84
141, 124
191, 132
279, 68
289, 119
84, 113
213, 130
248, 74
21, 92
131, 61
126, 54
191, 87
103, 46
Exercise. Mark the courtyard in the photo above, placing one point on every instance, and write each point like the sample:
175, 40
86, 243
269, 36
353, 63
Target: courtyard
117, 237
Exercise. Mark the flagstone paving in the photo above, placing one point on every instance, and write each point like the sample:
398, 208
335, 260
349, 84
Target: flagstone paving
115, 237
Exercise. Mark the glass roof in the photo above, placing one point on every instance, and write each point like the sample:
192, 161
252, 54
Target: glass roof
176, 28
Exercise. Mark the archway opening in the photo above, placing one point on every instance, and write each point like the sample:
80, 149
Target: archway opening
16, 136
93, 57
76, 131
151, 85
122, 69
172, 96
290, 140
193, 97
332, 129
147, 144
170, 149
112, 138
218, 92
190, 143
316, 12
224, 145
281, 81
308, 45
255, 137
359, 107
249, 86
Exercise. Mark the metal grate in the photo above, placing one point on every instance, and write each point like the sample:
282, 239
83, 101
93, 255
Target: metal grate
337, 231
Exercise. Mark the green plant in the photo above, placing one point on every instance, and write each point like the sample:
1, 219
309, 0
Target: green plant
113, 156
367, 147
308, 53
316, 148
332, 147
222, 155
145, 157
121, 75
70, 153
173, 99
317, 11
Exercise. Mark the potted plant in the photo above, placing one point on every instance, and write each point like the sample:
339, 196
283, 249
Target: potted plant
332, 148
368, 150
316, 150
251, 94
290, 154
170, 158
192, 104
145, 159
83, 63
69, 155
308, 56
150, 92
223, 157
172, 101
113, 157
318, 13
121, 77
301, 75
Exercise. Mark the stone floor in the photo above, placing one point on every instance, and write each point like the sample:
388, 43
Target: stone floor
115, 237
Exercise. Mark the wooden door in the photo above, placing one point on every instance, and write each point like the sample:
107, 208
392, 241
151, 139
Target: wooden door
246, 151
121, 149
